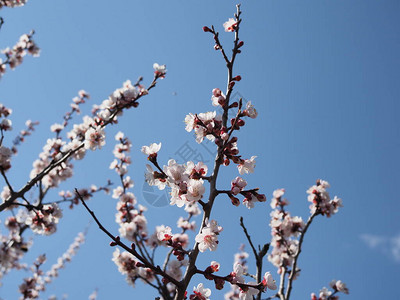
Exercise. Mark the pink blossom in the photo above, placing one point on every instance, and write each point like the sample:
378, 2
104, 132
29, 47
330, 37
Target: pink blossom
195, 190
215, 266
196, 171
207, 240
5, 158
268, 281
94, 138
218, 98
339, 286
164, 233
248, 295
250, 111
159, 70
230, 25
175, 172
237, 273
152, 149
56, 127
237, 185
200, 293
247, 165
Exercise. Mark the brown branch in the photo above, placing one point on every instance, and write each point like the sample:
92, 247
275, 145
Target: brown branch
191, 268
227, 278
296, 257
131, 250
55, 163
257, 255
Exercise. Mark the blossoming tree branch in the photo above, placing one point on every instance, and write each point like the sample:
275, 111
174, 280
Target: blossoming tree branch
165, 260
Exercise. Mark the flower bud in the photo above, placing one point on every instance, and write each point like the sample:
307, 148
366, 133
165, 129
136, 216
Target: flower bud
261, 197
235, 201
219, 283
240, 122
237, 78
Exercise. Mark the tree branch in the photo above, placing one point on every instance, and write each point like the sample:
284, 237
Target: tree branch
117, 241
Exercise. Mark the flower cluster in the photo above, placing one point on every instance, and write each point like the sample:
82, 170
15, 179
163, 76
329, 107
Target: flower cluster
132, 222
52, 151
325, 294
209, 125
121, 150
204, 125
88, 135
16, 54
30, 127
83, 193
159, 70
176, 241
75, 108
185, 180
284, 228
44, 221
12, 3
122, 98
250, 196
5, 125
32, 286
5, 158
208, 238
66, 257
236, 277
132, 268
200, 293
13, 247
320, 200
218, 98
230, 25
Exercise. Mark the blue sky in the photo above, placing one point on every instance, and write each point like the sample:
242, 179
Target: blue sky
323, 75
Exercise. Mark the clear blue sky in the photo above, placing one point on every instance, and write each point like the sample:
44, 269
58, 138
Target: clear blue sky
324, 76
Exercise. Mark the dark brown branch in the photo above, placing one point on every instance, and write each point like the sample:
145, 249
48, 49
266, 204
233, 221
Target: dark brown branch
227, 278
191, 268
296, 257
257, 255
55, 163
131, 250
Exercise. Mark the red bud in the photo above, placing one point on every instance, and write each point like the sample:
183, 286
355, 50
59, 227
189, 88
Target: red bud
237, 78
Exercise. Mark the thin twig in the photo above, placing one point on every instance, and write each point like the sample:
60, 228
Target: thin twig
296, 257
191, 268
55, 163
131, 250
